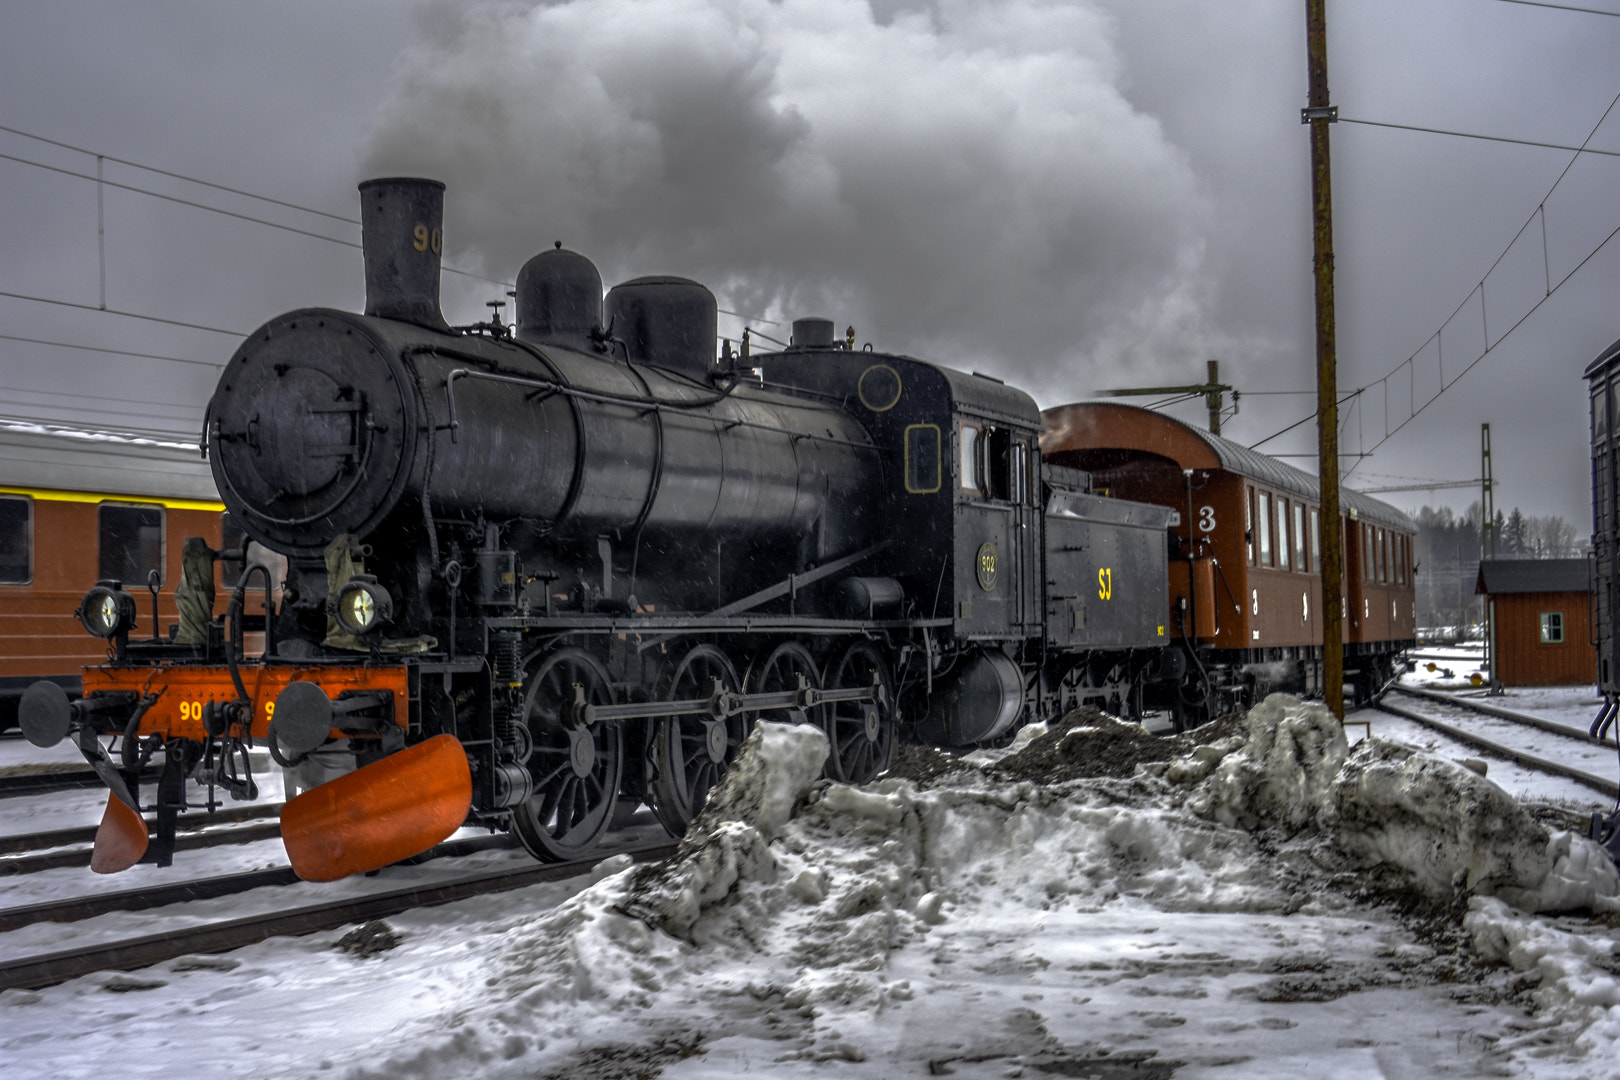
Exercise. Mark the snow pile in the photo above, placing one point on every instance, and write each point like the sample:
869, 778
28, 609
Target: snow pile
1449, 830
1280, 774
813, 922
1574, 973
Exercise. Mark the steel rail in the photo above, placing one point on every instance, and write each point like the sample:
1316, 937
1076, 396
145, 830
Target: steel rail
39, 971
75, 909
42, 841
80, 856
57, 780
1500, 713
1531, 761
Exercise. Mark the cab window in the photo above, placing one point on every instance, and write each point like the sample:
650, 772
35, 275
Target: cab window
16, 540
922, 459
131, 542
972, 459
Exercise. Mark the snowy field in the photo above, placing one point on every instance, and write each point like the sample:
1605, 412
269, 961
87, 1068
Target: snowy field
1270, 904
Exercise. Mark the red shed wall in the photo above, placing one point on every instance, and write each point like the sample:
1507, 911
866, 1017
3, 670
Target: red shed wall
1522, 659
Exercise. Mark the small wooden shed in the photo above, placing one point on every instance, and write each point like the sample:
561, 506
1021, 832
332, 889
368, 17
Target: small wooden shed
1541, 620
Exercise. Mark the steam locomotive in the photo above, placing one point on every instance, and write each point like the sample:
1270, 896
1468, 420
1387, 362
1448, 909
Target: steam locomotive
542, 573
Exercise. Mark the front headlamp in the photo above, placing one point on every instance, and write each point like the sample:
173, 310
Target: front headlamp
363, 605
107, 610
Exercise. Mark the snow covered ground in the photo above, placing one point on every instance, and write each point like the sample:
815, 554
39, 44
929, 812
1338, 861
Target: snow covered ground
1272, 904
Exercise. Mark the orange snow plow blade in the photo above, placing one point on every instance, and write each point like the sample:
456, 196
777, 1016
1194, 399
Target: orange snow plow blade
375, 816
120, 839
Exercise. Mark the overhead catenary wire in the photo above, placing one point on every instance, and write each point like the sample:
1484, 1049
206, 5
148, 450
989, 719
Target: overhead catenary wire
1488, 344
1562, 7
1477, 135
100, 180
115, 352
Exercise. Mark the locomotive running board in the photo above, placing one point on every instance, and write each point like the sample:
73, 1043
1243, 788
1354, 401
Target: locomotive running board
382, 813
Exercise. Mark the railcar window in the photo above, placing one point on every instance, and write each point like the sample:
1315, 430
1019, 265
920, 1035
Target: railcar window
131, 542
1316, 540
922, 459
1299, 538
1282, 533
1248, 523
1366, 554
1400, 560
1552, 627
972, 473
16, 541
1385, 556
231, 536
1267, 557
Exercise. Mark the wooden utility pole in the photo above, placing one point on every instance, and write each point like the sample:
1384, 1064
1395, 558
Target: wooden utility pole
1319, 114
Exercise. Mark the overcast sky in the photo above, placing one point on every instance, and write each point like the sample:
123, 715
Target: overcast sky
1072, 196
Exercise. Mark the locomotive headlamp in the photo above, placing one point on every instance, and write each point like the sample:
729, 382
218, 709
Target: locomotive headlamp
107, 610
363, 605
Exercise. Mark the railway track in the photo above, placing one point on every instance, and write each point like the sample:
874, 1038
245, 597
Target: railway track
48, 779
33, 972
30, 853
1580, 743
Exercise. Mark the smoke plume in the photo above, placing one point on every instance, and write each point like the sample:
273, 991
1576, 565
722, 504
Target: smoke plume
965, 182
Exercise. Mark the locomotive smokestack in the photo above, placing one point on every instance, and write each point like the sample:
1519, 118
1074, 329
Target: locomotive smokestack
402, 235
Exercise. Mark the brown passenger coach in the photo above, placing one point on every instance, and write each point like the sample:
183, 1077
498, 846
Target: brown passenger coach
1249, 540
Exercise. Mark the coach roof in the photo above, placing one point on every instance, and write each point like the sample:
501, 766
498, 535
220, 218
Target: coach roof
1123, 432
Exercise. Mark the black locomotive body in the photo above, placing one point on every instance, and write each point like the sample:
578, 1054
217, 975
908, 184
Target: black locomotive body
1603, 389
538, 578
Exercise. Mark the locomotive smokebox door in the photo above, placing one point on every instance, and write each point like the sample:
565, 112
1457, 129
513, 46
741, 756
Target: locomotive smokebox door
402, 235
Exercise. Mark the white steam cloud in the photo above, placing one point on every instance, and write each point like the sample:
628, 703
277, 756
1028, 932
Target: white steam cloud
965, 183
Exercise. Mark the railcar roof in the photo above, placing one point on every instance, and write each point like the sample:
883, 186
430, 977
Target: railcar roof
1095, 425
52, 457
1605, 359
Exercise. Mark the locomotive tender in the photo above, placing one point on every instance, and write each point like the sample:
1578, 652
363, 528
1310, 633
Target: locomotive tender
544, 571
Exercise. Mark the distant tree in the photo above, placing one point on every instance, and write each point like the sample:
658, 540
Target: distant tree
1514, 543
1551, 537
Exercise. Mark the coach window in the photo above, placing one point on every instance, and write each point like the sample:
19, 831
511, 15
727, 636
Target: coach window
922, 459
1367, 554
1282, 533
1248, 522
1400, 560
131, 542
972, 459
1263, 523
16, 541
1316, 540
1552, 627
1299, 538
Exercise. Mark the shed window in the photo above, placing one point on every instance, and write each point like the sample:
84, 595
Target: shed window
16, 541
131, 542
1267, 558
1552, 627
972, 460
922, 459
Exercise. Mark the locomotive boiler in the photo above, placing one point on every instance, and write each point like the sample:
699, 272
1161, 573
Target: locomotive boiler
542, 573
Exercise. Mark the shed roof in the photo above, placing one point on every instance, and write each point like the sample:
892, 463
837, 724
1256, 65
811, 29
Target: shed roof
1503, 577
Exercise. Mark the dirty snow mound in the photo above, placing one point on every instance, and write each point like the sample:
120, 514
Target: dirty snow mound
1278, 772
